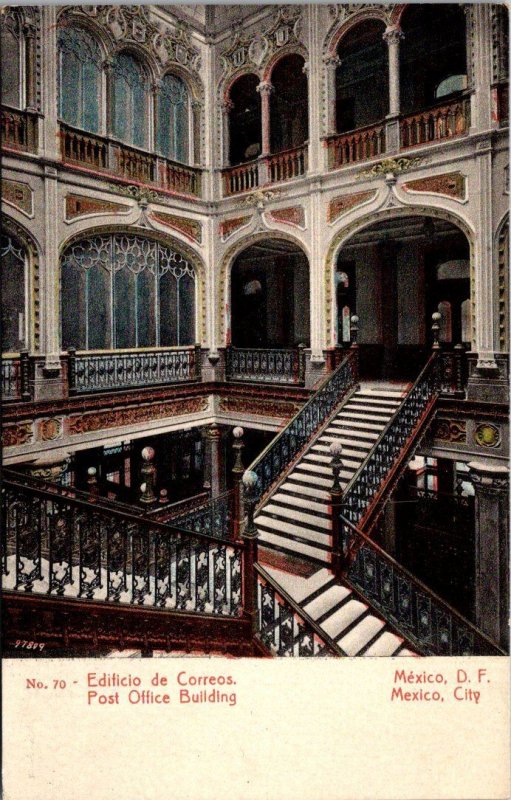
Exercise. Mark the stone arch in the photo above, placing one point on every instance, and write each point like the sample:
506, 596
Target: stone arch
292, 49
13, 228
227, 262
66, 19
189, 253
366, 220
341, 27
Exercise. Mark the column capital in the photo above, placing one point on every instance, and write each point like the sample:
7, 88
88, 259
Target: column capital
488, 478
332, 61
264, 88
107, 64
393, 34
226, 106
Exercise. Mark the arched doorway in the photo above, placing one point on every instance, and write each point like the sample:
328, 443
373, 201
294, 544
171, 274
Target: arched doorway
394, 274
244, 120
270, 296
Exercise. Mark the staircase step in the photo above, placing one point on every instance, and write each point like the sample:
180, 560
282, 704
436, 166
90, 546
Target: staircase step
354, 424
393, 394
316, 584
274, 508
316, 458
304, 491
342, 434
324, 483
279, 527
373, 398
293, 502
355, 640
318, 469
385, 645
341, 619
351, 449
354, 414
268, 539
326, 601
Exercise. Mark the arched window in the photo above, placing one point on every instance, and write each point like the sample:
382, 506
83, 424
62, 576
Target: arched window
244, 120
123, 290
79, 79
12, 77
173, 119
129, 100
362, 94
14, 277
289, 118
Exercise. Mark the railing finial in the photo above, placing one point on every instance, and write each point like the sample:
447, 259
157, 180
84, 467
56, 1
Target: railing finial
148, 473
435, 329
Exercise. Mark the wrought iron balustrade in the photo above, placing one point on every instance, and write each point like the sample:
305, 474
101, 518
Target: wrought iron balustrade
19, 129
359, 145
444, 121
453, 371
426, 620
214, 517
169, 510
265, 365
100, 372
283, 450
241, 178
283, 627
287, 165
16, 377
56, 544
373, 475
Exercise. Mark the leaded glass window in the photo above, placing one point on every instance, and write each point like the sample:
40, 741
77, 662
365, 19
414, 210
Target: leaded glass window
79, 79
173, 119
124, 291
13, 257
11, 72
129, 100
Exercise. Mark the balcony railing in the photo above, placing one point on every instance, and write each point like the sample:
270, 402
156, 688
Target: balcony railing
16, 377
241, 178
118, 369
265, 365
19, 129
287, 165
441, 122
213, 517
99, 152
358, 145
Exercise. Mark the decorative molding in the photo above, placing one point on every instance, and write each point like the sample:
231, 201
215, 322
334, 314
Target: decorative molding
487, 435
344, 203
451, 184
260, 197
391, 166
227, 226
142, 194
78, 206
266, 408
15, 435
20, 195
50, 429
503, 273
103, 420
188, 227
294, 215
450, 430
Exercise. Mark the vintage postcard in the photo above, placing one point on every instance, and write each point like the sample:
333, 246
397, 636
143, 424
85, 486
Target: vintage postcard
255, 401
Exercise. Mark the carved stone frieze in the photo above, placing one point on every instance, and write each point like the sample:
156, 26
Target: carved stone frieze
191, 228
391, 166
266, 408
344, 203
487, 435
82, 206
19, 195
50, 429
228, 226
295, 215
15, 435
450, 430
451, 184
115, 418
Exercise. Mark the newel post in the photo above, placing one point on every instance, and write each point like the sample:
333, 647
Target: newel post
435, 329
237, 474
250, 481
148, 473
354, 330
335, 502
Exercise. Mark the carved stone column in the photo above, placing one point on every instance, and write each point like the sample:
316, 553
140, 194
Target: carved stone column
491, 484
227, 107
265, 89
109, 99
30, 60
194, 139
392, 36
153, 128
331, 63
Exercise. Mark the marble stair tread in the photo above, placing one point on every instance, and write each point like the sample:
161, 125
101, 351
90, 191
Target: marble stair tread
303, 489
293, 530
368, 401
352, 449
337, 622
355, 424
324, 483
385, 645
316, 458
360, 635
297, 586
382, 393
359, 415
327, 600
294, 548
320, 469
297, 516
332, 434
300, 503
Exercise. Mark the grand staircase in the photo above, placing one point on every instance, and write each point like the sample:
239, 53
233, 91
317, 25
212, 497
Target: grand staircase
297, 518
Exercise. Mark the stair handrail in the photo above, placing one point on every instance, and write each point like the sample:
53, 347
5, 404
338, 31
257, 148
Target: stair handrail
429, 376
299, 612
276, 458
408, 583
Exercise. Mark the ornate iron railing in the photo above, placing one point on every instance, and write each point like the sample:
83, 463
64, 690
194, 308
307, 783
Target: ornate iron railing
287, 165
284, 449
359, 145
59, 545
213, 517
265, 365
366, 485
16, 377
19, 129
283, 627
165, 512
441, 122
427, 621
118, 369
99, 152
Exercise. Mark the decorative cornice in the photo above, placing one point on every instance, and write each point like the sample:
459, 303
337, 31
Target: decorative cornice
103, 420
